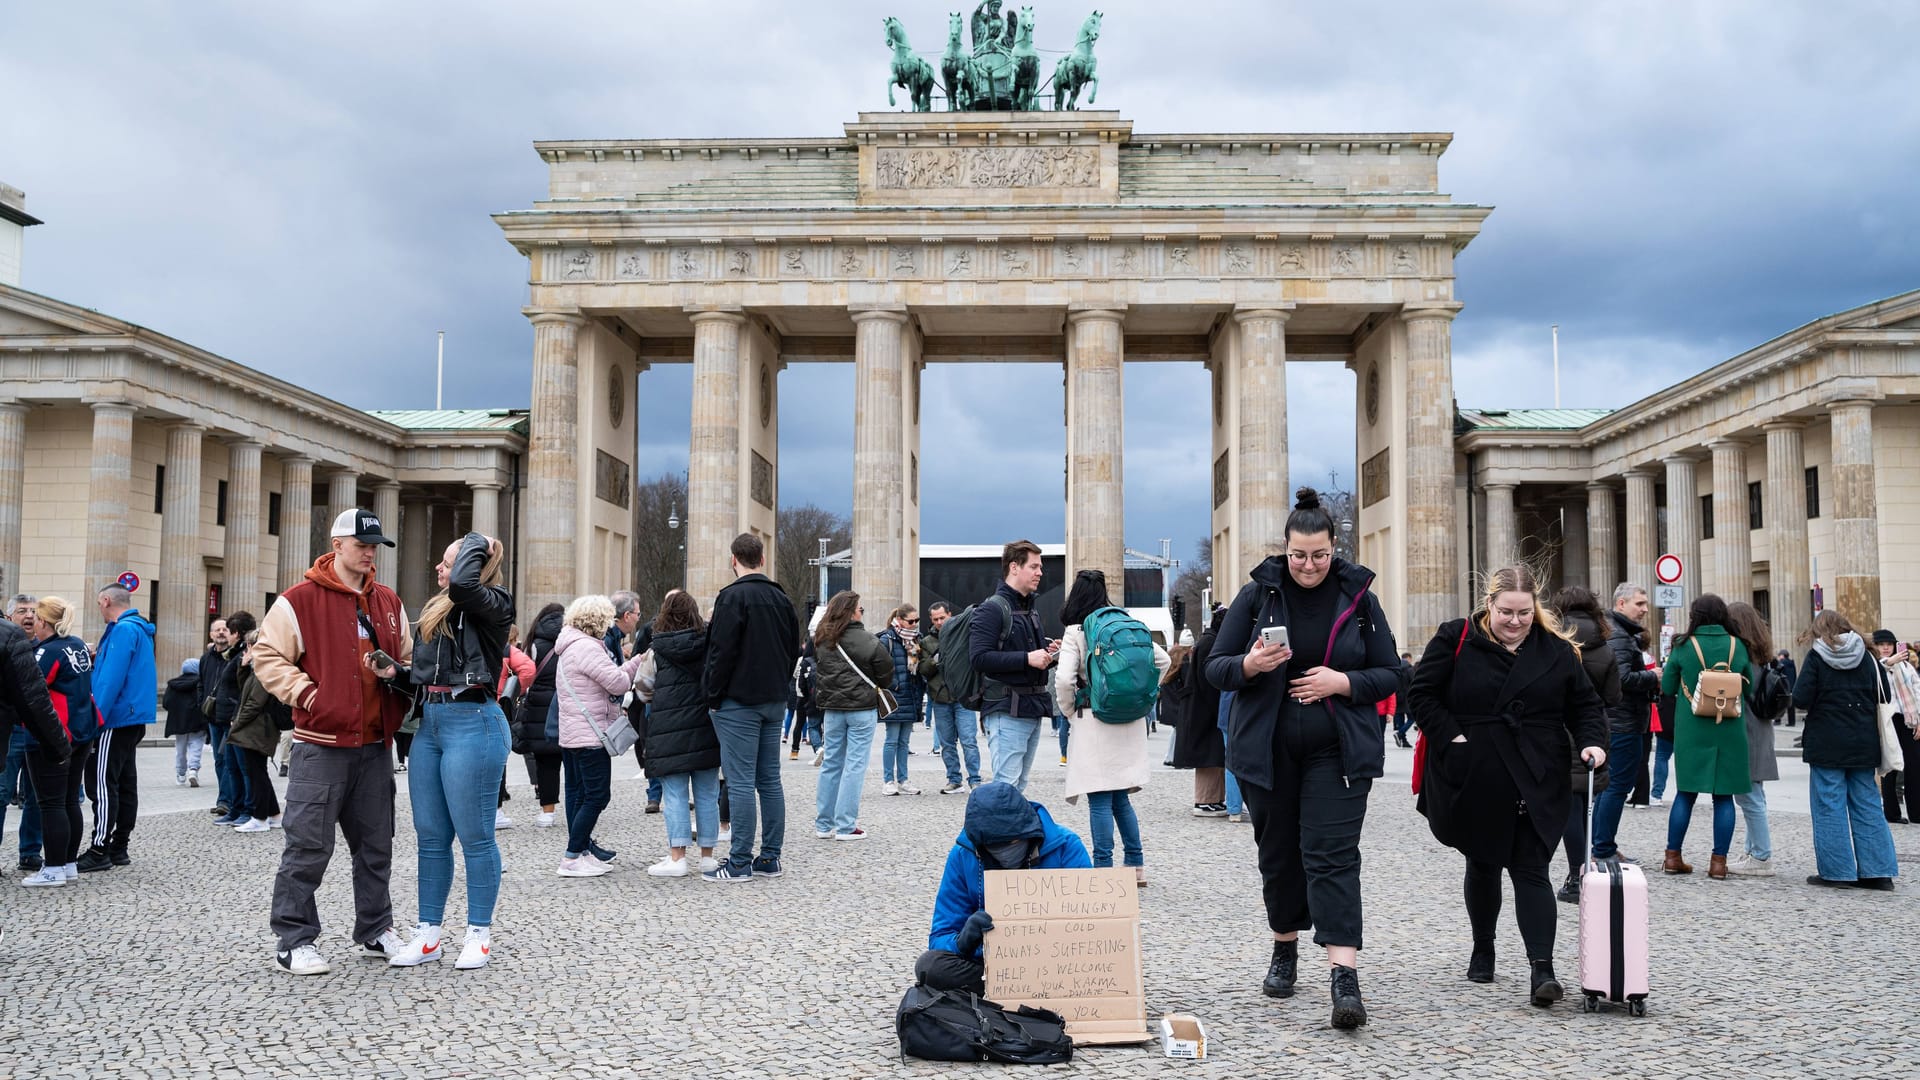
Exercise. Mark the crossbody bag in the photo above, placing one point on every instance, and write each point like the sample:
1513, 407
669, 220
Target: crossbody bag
888, 703
617, 737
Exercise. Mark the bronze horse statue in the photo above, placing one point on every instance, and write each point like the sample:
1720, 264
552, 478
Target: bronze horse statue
909, 71
1026, 65
956, 66
1077, 69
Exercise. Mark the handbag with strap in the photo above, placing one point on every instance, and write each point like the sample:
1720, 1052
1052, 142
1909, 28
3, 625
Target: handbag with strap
617, 737
888, 703
1718, 691
1891, 759
1420, 740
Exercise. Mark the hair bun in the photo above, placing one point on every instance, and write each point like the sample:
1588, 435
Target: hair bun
1306, 499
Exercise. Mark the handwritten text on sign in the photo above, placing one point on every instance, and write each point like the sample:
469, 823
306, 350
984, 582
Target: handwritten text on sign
1069, 940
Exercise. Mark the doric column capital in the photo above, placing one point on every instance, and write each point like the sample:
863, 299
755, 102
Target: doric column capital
1077, 313
187, 425
107, 407
299, 460
1680, 459
386, 486
732, 316
1726, 443
1499, 485
1439, 310
1599, 485
1851, 403
12, 408
1278, 313
245, 444
1790, 423
486, 485
896, 313
553, 318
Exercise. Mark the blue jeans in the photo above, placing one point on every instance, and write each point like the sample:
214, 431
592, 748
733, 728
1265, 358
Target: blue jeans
814, 735
849, 739
589, 774
893, 755
1753, 807
453, 778
1013, 741
1662, 759
1061, 726
226, 778
14, 779
1624, 752
953, 729
705, 784
750, 756
1235, 805
1104, 809
1851, 839
1682, 814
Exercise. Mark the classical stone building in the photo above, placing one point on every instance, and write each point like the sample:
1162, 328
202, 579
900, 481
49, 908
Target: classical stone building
122, 449
1064, 239
1793, 465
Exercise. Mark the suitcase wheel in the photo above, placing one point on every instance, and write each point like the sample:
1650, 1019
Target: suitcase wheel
1637, 1007
1590, 1003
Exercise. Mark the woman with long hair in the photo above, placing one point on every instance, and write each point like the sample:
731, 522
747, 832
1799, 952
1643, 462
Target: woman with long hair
844, 651
1839, 692
1587, 624
68, 668
1709, 755
1106, 762
254, 736
901, 638
530, 740
1747, 624
1497, 696
1197, 741
460, 753
1906, 717
1307, 654
682, 749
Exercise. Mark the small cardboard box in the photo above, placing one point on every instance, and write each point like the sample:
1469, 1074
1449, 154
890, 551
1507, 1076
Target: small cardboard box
1183, 1036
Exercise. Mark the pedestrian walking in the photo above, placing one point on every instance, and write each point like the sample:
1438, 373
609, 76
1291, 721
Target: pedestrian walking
58, 671
682, 749
1906, 715
588, 692
1628, 720
851, 662
123, 683
1747, 624
1839, 694
186, 724
1587, 626
901, 640
806, 711
1011, 653
1709, 753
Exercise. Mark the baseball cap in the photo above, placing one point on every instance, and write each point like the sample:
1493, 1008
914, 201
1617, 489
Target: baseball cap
362, 525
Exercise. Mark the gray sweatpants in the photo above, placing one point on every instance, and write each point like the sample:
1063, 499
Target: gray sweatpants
351, 788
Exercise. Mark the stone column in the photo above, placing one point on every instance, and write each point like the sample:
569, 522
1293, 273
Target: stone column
553, 444
107, 487
241, 551
1502, 528
713, 458
13, 493
486, 509
1856, 526
1265, 490
1643, 529
182, 574
1431, 536
386, 507
417, 553
1096, 522
1732, 537
343, 493
879, 468
1603, 538
1574, 567
1786, 497
296, 521
1683, 525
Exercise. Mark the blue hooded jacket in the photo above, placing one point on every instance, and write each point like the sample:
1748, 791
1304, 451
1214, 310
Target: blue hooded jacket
996, 813
125, 685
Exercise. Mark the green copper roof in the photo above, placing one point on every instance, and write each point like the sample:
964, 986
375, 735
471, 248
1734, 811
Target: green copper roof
1530, 419
455, 419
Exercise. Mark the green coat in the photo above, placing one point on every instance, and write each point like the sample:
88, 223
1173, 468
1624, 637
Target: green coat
1708, 757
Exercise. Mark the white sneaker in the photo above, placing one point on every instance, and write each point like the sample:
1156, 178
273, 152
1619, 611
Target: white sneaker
819, 756
385, 947
501, 820
823, 834
72, 870
708, 864
544, 821
1656, 802
905, 790
425, 946
584, 866
1748, 866
856, 834
305, 960
180, 780
669, 867
477, 951
891, 788
253, 825
273, 822
47, 875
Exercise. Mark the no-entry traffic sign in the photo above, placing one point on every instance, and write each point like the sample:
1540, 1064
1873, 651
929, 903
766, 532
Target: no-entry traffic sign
1668, 568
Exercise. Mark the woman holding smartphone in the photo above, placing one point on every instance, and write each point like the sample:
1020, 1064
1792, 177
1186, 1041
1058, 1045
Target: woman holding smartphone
1307, 653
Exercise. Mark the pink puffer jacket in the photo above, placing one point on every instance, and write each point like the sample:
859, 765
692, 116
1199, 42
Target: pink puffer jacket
587, 678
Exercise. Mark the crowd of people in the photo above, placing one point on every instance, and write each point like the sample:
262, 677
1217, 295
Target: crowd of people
1541, 719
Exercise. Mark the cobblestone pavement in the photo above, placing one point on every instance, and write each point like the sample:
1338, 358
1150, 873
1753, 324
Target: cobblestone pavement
163, 968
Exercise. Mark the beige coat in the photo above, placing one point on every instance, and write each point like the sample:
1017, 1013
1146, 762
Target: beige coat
1100, 756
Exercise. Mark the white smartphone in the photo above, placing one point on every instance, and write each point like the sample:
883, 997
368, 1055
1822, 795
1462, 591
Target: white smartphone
1274, 637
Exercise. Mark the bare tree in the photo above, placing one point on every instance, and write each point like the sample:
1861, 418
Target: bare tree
1187, 587
659, 550
800, 529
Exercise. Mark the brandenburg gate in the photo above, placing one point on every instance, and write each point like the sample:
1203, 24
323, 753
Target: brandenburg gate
1047, 237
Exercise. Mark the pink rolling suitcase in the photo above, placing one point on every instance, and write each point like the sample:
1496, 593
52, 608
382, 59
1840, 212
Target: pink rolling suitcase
1613, 930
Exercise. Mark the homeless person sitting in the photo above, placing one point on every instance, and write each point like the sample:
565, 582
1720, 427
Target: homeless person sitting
1003, 831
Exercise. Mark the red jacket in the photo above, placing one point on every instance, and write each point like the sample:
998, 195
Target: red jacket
309, 656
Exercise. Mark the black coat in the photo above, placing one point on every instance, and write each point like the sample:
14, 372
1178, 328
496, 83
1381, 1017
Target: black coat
1841, 709
1639, 685
1517, 711
226, 688
23, 693
1360, 646
472, 646
1198, 742
1598, 661
752, 642
538, 697
680, 735
1175, 695
213, 667
182, 702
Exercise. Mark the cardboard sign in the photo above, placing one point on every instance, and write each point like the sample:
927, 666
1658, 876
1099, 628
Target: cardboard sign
1069, 940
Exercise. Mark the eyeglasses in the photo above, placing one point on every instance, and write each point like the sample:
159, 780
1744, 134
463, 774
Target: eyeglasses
1301, 558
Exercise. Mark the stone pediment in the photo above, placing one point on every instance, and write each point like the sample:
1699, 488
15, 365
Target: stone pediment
27, 314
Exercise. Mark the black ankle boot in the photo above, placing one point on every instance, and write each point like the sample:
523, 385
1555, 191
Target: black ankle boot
1570, 892
1283, 970
1480, 965
1349, 1011
1546, 988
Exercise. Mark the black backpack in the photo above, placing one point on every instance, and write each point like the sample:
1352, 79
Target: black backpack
953, 1025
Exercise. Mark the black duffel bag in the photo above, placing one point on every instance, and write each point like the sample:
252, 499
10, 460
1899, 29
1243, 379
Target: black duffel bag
953, 1025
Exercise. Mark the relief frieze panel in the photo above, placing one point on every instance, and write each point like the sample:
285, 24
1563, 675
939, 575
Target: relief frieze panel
987, 167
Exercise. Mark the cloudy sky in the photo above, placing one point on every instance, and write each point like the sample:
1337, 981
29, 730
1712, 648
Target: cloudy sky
306, 187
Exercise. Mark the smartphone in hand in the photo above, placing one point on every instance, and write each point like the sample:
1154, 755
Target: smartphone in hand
380, 659
1274, 637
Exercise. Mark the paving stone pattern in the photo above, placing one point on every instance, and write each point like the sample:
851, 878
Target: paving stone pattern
163, 968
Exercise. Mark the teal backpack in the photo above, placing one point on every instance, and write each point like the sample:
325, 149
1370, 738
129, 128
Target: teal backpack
1122, 682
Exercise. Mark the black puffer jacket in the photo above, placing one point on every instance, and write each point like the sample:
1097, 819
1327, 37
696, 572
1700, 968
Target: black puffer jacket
23, 693
532, 718
1198, 742
680, 735
226, 690
1841, 710
1639, 685
182, 702
1597, 660
838, 686
475, 645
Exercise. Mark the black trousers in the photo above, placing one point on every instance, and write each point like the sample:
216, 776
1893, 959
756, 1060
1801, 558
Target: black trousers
114, 785
1533, 902
265, 801
940, 970
402, 742
1891, 783
543, 772
1307, 829
56, 790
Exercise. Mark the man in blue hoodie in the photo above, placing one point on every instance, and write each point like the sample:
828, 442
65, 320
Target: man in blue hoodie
125, 695
1002, 831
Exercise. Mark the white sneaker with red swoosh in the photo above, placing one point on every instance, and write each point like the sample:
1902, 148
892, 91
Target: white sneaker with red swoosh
478, 949
425, 946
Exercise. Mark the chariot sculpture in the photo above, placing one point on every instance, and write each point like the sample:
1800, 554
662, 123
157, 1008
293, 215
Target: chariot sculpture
1002, 70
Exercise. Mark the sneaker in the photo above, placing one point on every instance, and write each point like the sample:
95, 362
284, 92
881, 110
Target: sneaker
95, 859
854, 834
669, 867
1748, 866
72, 870
193, 779
226, 820
905, 789
477, 951
180, 780
241, 819
819, 756
501, 820
220, 810
653, 806
1570, 890
890, 788
823, 834
708, 862
605, 855
30, 863
955, 788
48, 875
1656, 803
119, 857
1063, 761
544, 821
424, 947
767, 867
402, 767
584, 866
273, 822
725, 872
1239, 819
305, 960
254, 825
793, 755
1212, 809
385, 947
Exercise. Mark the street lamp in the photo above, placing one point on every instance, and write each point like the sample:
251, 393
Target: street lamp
673, 516
673, 522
